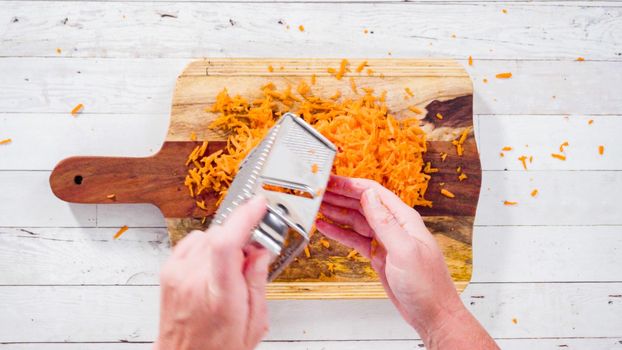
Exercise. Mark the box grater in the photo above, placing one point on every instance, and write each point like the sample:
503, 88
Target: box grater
290, 167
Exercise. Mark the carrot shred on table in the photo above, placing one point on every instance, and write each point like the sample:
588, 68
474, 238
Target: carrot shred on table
336, 95
370, 71
301, 28
530, 159
307, 252
534, 192
439, 116
112, 196
501, 154
506, 148
447, 194
523, 160
443, 156
415, 109
343, 69
351, 254
514, 320
564, 144
325, 243
120, 232
485, 80
590, 122
504, 11
193, 136
601, 150
58, 50
361, 66
462, 176
5, 141
505, 75
353, 85
313, 79
331, 267
314, 168
409, 92
270, 69
77, 109
509, 203
580, 59
558, 156
470, 61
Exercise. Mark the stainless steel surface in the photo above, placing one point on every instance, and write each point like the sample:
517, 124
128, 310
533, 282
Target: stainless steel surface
290, 168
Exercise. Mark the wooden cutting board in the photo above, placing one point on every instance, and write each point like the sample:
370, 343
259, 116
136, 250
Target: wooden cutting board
439, 86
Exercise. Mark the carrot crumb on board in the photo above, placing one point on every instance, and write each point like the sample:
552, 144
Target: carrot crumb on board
270, 69
459, 169
601, 150
370, 71
590, 122
314, 168
443, 156
580, 59
353, 85
336, 95
307, 252
534, 192
351, 254
415, 109
506, 75
439, 116
112, 196
428, 168
361, 66
462, 176
564, 144
325, 243
301, 28
523, 160
77, 109
120, 232
409, 92
506, 148
509, 203
281, 68
460, 141
470, 60
5, 141
514, 320
193, 136
331, 267
447, 193
201, 204
558, 156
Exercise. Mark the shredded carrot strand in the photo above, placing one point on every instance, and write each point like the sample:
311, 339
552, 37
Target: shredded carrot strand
6, 141
447, 194
523, 160
505, 75
361, 66
77, 109
470, 61
601, 150
558, 156
509, 203
561, 147
506, 148
534, 192
120, 232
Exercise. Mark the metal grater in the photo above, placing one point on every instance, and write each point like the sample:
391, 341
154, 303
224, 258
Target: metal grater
290, 168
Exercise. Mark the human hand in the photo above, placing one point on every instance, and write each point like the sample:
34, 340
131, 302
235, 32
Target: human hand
213, 287
409, 263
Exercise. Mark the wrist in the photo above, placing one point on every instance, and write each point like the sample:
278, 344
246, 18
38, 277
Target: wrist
446, 316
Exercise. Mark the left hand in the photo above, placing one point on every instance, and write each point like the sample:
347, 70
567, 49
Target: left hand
213, 287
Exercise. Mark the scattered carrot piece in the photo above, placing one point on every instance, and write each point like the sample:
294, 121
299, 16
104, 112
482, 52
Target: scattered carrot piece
370, 71
462, 176
112, 196
415, 109
509, 203
459, 169
580, 59
443, 156
5, 141
120, 232
506, 148
523, 161
58, 50
590, 122
77, 109
409, 92
501, 154
281, 68
351, 254
447, 194
601, 150
505, 75
504, 11
336, 95
270, 69
428, 168
439, 116
301, 28
460, 141
324, 242
453, 35
365, 31
314, 168
514, 320
361, 66
203, 220
307, 252
561, 147
558, 156
331, 267
485, 80
313, 79
534, 192
470, 61
193, 136
201, 204
353, 85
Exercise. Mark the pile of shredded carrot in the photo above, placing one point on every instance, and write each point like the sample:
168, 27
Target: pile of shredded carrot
372, 143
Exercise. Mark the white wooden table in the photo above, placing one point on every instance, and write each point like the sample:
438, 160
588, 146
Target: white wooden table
552, 263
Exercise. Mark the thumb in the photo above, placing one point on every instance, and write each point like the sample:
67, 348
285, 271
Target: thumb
256, 275
383, 222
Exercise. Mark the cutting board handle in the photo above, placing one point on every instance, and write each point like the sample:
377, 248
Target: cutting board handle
157, 179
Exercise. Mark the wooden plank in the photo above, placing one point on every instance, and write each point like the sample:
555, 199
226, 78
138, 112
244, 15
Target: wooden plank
543, 134
421, 29
511, 344
98, 314
131, 86
75, 256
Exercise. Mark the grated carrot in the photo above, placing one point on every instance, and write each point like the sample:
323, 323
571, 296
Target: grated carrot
428, 168
365, 31
601, 150
561, 147
459, 169
523, 161
580, 59
370, 71
447, 194
353, 85
58, 50
301, 28
77, 109
307, 252
506, 148
351, 254
314, 168
331, 267
112, 196
415, 109
485, 80
325, 243
270, 69
460, 141
534, 192
443, 156
509, 203
558, 156
514, 320
439, 116
590, 122
5, 141
462, 176
501, 154
409, 92
504, 11
505, 75
193, 136
361, 66
120, 232
313, 79
343, 69
470, 61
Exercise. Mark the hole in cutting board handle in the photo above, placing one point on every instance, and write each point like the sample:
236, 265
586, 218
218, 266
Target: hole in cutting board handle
78, 179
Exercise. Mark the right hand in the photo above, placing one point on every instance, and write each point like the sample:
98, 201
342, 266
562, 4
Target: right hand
374, 221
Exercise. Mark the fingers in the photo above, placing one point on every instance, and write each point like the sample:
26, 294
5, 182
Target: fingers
349, 187
183, 248
236, 230
342, 201
256, 275
387, 229
348, 217
346, 237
